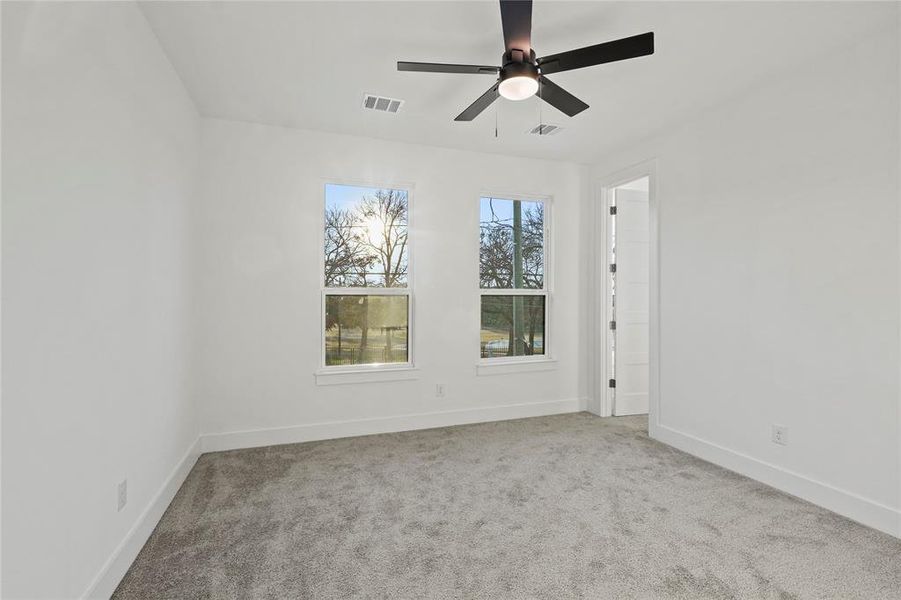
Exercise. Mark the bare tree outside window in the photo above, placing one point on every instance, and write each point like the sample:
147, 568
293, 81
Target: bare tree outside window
346, 259
384, 214
504, 225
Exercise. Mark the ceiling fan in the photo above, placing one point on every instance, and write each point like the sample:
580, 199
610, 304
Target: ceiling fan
523, 75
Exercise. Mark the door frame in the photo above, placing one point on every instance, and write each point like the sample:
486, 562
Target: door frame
605, 186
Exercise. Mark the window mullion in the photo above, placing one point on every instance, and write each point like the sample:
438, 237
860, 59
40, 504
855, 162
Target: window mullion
366, 291
512, 292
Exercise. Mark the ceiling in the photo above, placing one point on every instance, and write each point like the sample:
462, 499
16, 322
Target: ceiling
308, 64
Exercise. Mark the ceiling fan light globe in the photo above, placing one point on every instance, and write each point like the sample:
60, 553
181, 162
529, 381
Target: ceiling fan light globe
518, 88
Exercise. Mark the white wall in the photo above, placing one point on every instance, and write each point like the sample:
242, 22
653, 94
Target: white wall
779, 286
99, 145
258, 275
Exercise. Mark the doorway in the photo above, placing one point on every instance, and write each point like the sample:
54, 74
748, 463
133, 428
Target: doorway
628, 297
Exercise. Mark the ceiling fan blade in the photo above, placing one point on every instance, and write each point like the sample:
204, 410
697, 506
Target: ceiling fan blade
421, 67
559, 98
630, 47
484, 101
516, 18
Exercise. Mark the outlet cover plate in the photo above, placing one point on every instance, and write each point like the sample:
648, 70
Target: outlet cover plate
780, 435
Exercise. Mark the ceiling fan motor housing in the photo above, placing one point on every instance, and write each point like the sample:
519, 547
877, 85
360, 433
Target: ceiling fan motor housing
517, 65
519, 77
523, 69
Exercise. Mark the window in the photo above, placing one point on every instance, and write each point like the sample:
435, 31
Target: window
366, 277
513, 278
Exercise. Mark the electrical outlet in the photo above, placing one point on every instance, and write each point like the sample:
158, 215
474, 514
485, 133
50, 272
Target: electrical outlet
780, 435
123, 494
440, 390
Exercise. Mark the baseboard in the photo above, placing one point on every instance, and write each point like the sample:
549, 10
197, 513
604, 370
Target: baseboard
850, 505
215, 442
117, 565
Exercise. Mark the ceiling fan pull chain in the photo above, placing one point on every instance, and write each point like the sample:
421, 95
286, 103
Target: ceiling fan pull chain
540, 122
495, 121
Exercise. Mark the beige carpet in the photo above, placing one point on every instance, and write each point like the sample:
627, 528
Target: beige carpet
568, 506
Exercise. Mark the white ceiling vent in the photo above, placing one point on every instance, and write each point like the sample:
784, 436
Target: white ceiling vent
545, 129
381, 104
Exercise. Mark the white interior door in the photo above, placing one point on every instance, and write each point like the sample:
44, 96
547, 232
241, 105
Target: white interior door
632, 308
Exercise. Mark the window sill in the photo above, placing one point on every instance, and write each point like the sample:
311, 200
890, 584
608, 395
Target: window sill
373, 375
507, 367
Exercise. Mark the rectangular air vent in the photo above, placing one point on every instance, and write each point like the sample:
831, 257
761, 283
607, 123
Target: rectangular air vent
544, 129
381, 104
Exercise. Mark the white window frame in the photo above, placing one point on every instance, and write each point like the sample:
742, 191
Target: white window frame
512, 364
332, 374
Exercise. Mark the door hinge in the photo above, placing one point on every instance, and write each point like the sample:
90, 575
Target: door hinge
611, 383
613, 267
613, 325
612, 210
